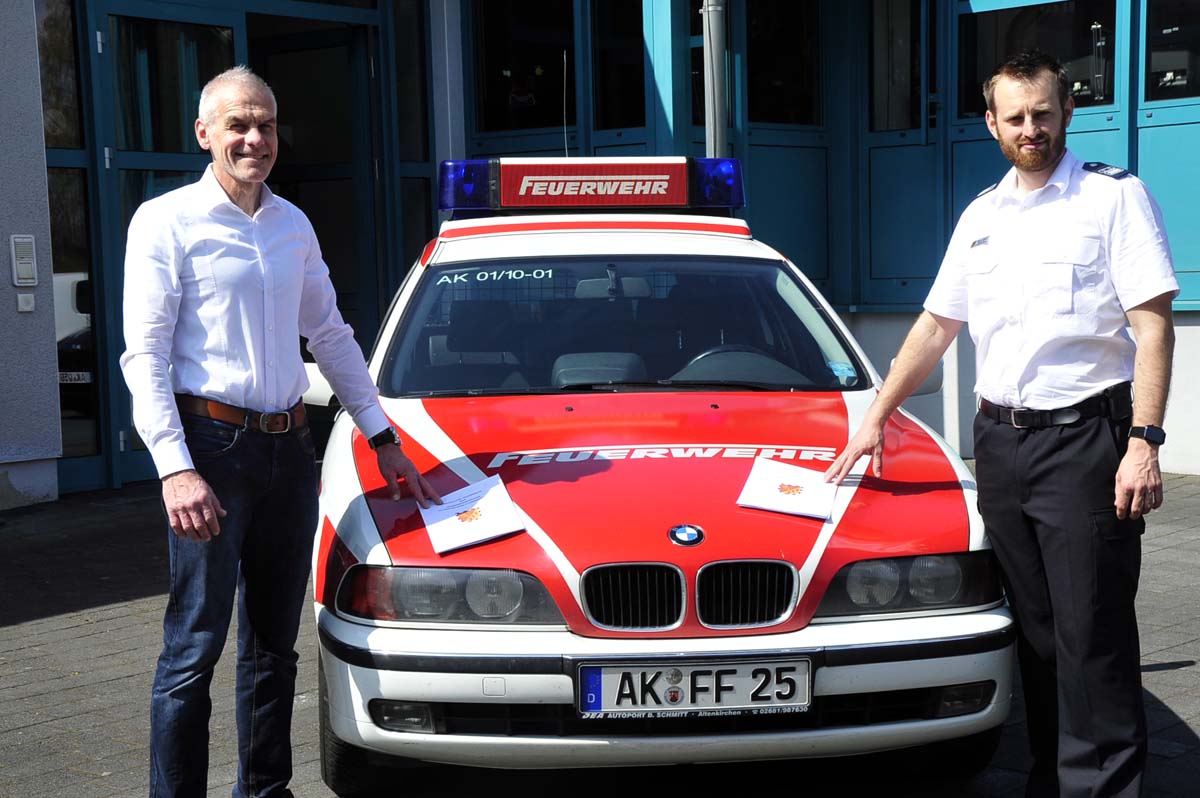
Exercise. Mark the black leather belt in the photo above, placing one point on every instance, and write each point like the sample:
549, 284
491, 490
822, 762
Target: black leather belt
275, 423
1115, 402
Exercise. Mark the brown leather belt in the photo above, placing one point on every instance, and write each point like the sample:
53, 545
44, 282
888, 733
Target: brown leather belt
275, 423
1114, 402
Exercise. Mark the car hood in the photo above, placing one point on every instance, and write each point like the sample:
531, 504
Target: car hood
602, 477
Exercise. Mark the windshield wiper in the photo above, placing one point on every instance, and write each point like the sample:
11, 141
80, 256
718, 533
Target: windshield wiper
699, 385
445, 392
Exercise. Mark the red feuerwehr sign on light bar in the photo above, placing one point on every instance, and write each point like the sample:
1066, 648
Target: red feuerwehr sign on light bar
537, 183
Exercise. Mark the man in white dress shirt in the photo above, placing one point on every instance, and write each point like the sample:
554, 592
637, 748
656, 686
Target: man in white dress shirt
1047, 268
221, 279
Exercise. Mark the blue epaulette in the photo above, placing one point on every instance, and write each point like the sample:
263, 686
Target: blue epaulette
1115, 172
992, 187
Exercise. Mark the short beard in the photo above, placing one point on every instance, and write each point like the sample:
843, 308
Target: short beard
1038, 160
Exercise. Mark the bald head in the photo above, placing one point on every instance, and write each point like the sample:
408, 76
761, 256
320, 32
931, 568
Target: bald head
240, 77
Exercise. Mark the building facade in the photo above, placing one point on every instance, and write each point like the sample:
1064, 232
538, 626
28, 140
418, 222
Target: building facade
860, 125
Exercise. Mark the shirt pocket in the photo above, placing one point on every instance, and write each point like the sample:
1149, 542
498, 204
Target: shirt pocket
1066, 279
987, 297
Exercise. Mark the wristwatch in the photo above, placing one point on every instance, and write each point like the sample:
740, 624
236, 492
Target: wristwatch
388, 435
1150, 434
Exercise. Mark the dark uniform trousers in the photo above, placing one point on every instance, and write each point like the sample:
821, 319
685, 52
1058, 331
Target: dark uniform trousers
1071, 572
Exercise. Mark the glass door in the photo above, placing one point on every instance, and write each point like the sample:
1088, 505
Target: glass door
618, 79
320, 73
149, 63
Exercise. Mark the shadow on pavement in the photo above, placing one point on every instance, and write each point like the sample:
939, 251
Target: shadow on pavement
84, 550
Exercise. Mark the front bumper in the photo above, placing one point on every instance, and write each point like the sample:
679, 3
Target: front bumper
500, 667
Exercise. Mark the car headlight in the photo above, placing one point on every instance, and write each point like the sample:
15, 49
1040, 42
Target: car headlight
909, 584
445, 595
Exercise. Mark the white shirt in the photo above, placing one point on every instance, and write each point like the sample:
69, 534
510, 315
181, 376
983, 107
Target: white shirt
215, 304
1043, 280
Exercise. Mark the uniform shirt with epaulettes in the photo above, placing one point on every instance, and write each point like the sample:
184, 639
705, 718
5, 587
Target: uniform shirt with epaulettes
1043, 280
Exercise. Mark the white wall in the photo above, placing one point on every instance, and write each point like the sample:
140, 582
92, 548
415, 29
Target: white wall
30, 441
951, 412
1181, 453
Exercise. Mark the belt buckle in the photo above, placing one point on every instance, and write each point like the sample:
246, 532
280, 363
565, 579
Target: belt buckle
262, 423
1015, 414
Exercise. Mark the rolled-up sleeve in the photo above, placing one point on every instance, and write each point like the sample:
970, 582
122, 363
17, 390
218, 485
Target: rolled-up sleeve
332, 344
150, 309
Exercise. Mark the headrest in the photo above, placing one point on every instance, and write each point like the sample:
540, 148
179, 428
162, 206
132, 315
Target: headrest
480, 325
589, 367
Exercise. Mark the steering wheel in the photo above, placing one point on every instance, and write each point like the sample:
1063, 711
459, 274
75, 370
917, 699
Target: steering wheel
723, 348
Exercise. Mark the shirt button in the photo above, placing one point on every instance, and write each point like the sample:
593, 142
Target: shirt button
270, 363
270, 328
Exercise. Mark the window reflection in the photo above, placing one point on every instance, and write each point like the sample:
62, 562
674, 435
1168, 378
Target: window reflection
1172, 49
783, 62
161, 68
312, 123
524, 64
1080, 33
413, 132
73, 312
895, 65
60, 73
620, 73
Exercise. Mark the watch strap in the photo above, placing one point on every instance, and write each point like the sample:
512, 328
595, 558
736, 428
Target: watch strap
1150, 434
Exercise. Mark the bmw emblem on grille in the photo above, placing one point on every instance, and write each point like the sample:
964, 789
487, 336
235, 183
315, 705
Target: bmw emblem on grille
686, 535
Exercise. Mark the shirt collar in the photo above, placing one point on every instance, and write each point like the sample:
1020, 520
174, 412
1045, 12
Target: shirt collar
1060, 179
214, 196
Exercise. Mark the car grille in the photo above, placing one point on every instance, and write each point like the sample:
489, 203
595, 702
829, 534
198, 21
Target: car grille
736, 594
825, 712
642, 596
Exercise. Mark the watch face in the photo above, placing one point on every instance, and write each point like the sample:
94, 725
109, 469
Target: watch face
386, 436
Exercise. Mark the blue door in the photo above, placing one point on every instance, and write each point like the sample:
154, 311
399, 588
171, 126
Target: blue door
902, 160
1168, 128
149, 62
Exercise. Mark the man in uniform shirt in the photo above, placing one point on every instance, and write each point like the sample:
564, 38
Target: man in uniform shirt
221, 280
1047, 268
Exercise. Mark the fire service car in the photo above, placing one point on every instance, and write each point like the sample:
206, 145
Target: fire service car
605, 341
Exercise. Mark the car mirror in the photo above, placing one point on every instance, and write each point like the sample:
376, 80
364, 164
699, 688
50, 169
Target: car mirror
83, 297
598, 288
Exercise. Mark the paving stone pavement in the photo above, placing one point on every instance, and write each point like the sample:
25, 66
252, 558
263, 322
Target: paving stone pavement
82, 589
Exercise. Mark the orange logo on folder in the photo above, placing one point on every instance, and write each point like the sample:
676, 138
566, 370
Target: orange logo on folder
791, 490
474, 514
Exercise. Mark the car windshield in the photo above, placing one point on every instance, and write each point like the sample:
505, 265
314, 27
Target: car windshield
539, 325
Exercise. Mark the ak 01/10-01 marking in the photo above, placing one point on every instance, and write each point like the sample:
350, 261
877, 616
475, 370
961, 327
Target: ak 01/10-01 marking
496, 276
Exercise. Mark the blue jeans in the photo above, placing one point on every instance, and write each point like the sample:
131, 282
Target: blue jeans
267, 485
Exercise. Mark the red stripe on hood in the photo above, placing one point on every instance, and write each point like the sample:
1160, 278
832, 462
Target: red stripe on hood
620, 510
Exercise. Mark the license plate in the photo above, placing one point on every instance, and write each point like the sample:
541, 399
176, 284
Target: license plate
697, 689
65, 377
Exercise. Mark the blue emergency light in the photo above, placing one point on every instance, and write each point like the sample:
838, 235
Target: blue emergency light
565, 184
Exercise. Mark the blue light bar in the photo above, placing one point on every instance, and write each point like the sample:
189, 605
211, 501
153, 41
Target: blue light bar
482, 185
466, 186
716, 183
